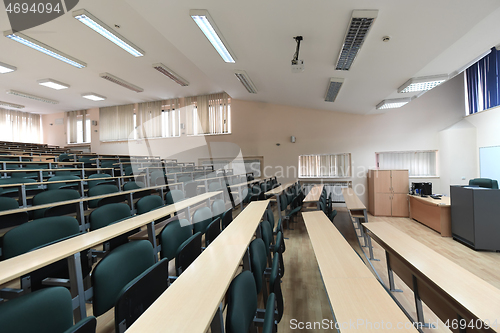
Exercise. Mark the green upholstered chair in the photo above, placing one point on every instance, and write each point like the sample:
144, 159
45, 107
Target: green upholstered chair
157, 177
213, 230
184, 179
139, 294
227, 218
267, 237
332, 215
242, 306
172, 236
187, 252
133, 186
201, 219
108, 164
258, 261
173, 196
36, 233
52, 196
128, 170
484, 182
218, 208
148, 203
108, 214
65, 185
11, 220
13, 191
101, 190
275, 287
116, 270
94, 183
65, 158
214, 186
191, 189
45, 311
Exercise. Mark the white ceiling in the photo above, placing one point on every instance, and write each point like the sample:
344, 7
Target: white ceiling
428, 37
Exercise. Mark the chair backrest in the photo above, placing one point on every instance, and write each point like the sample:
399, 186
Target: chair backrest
227, 218
108, 214
133, 186
484, 182
218, 208
275, 287
139, 294
213, 230
59, 185
332, 215
101, 190
214, 186
267, 235
191, 189
201, 219
157, 177
45, 311
36, 233
172, 236
116, 270
283, 201
93, 183
270, 218
148, 203
51, 196
241, 303
174, 196
258, 260
187, 252
11, 220
184, 179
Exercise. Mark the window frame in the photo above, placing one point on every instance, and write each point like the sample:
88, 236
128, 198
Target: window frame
436, 162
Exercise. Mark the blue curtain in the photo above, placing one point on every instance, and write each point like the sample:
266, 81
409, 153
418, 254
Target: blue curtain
483, 83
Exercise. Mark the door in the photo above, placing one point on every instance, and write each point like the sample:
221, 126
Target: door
383, 204
400, 181
400, 204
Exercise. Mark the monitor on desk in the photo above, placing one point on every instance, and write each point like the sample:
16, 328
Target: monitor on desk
424, 188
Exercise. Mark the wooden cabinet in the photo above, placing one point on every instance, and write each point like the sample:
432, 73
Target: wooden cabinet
387, 192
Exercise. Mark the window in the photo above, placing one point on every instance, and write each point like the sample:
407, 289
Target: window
418, 163
79, 131
171, 124
325, 166
209, 114
117, 123
19, 126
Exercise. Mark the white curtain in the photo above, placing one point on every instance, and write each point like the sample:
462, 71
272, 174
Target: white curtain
149, 121
325, 166
73, 117
19, 126
208, 114
171, 118
419, 163
116, 122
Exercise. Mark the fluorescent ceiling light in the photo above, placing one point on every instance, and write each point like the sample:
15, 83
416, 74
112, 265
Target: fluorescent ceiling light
4, 68
39, 46
53, 84
93, 97
170, 73
120, 82
33, 97
245, 81
101, 28
360, 24
207, 25
422, 83
333, 89
393, 103
11, 105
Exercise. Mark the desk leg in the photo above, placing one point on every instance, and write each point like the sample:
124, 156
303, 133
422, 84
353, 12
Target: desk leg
240, 193
76, 283
370, 247
152, 238
22, 195
217, 325
81, 216
418, 306
390, 274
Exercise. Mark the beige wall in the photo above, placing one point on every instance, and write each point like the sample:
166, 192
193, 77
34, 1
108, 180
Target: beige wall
257, 127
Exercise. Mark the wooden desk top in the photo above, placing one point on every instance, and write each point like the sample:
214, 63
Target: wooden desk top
68, 181
39, 162
473, 293
445, 201
279, 189
25, 263
351, 200
354, 293
247, 183
53, 170
201, 288
335, 256
314, 194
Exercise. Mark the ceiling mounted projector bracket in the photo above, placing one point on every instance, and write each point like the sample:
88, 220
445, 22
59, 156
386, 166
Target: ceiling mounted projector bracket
297, 65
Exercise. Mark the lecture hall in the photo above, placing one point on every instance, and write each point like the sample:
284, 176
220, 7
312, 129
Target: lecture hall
282, 166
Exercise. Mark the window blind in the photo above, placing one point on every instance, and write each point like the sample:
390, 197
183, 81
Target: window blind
149, 121
19, 126
208, 114
116, 122
325, 166
73, 118
419, 163
171, 118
